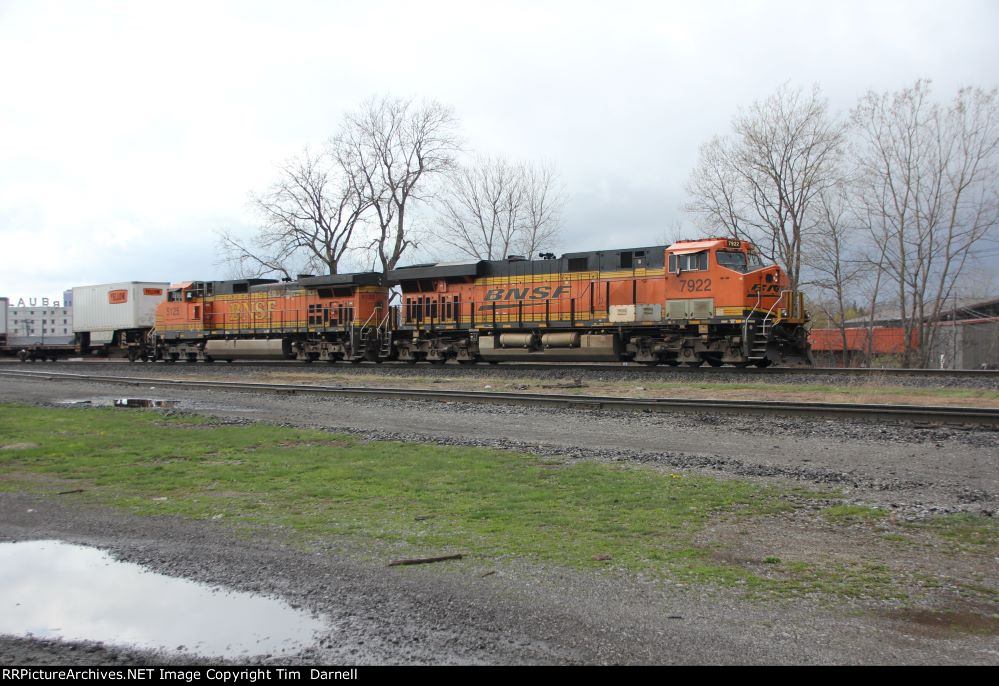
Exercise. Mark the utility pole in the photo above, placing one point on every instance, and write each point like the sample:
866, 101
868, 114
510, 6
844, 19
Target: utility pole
953, 324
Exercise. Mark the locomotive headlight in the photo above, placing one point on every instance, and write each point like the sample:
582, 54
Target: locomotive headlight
783, 313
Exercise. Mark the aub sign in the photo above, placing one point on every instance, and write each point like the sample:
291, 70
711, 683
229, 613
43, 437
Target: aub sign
34, 302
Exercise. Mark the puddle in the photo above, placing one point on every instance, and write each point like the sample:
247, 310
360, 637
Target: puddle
54, 590
119, 402
144, 402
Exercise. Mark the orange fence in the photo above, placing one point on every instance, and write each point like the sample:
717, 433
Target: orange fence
884, 339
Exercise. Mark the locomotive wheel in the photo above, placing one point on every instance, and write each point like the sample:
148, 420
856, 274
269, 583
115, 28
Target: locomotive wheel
133, 354
698, 363
714, 361
764, 363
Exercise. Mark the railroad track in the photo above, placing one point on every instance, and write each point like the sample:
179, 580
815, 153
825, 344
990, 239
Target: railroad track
933, 415
620, 367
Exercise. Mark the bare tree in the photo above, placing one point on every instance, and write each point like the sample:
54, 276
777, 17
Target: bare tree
492, 208
308, 215
393, 148
833, 262
544, 202
927, 187
763, 182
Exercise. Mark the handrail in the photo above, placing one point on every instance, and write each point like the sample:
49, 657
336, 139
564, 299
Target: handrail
776, 303
364, 326
385, 321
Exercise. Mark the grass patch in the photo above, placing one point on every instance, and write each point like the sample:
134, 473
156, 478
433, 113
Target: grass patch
404, 500
965, 529
845, 579
424, 497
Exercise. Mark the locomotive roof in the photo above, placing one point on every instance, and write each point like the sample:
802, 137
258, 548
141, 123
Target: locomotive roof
437, 270
595, 260
328, 280
261, 285
356, 279
682, 247
238, 285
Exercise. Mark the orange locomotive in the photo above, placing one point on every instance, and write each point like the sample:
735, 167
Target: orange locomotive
692, 302
329, 318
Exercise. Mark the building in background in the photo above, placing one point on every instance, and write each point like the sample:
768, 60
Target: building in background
967, 337
31, 324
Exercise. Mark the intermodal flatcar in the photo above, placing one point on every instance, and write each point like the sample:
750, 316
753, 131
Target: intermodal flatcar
693, 302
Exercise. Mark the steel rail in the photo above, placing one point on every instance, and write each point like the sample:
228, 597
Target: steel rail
982, 417
620, 367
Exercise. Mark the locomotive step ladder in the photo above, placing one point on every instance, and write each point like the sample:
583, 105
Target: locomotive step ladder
384, 331
758, 343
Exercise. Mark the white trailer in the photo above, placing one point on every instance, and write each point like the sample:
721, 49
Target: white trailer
105, 309
116, 315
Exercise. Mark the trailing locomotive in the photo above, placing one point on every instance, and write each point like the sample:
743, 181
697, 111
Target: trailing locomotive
694, 302
338, 317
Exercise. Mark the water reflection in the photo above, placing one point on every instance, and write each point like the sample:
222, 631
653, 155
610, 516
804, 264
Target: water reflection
50, 589
144, 402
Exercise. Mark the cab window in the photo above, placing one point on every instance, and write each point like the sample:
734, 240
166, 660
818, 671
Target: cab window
732, 260
691, 262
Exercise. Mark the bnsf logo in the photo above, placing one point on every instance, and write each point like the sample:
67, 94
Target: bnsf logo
538, 293
256, 309
765, 289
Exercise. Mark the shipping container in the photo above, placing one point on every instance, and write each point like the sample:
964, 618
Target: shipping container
101, 310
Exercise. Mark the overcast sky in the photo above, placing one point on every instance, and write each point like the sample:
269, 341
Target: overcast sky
131, 131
